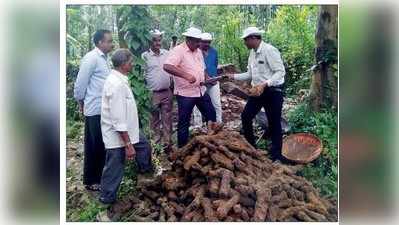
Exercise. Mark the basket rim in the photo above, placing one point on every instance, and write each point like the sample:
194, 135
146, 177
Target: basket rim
315, 154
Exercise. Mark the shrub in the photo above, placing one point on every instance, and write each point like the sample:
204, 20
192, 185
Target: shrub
292, 31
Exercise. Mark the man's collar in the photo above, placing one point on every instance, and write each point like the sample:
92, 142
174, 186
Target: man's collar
154, 54
259, 47
123, 77
211, 49
101, 53
184, 44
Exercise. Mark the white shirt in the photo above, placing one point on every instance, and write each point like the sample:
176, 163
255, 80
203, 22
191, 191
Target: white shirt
118, 111
156, 77
264, 65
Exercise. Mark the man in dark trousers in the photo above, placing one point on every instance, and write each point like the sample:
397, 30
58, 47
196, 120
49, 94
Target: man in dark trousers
120, 128
186, 63
266, 72
93, 71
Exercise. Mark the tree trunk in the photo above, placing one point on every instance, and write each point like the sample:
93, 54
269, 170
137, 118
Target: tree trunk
324, 82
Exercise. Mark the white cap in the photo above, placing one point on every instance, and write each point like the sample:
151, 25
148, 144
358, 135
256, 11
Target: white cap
252, 31
206, 37
193, 32
156, 33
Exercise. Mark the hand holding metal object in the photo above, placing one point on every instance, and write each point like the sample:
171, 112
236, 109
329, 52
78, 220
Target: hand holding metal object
212, 81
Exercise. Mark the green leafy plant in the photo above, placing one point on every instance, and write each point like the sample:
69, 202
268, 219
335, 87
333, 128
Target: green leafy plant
90, 212
136, 25
74, 129
72, 110
142, 94
292, 31
231, 46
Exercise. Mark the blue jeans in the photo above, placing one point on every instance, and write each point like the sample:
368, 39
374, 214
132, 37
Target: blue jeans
115, 166
185, 107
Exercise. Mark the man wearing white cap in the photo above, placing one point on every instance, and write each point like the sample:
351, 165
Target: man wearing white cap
211, 62
266, 72
186, 63
159, 82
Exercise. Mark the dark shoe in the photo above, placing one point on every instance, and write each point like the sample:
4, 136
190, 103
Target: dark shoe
147, 172
106, 202
280, 158
93, 187
285, 161
167, 149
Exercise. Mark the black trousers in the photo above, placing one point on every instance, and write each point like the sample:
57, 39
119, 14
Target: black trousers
115, 164
185, 106
94, 151
272, 102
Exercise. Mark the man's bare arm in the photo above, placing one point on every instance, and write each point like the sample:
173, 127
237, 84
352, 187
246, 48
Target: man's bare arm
178, 72
130, 151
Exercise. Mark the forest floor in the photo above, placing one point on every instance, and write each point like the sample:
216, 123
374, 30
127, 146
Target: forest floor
83, 205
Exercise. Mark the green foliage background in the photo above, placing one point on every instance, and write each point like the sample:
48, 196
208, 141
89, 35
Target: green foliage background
289, 28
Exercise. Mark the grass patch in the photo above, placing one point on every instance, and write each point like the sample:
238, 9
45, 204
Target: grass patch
89, 213
129, 180
74, 129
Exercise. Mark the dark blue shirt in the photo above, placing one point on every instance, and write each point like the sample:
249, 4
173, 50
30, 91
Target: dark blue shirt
211, 62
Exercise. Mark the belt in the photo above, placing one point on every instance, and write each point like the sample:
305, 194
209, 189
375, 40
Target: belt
162, 90
278, 88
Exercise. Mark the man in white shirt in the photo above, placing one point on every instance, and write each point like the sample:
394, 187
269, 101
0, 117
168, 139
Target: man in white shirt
120, 127
266, 72
159, 82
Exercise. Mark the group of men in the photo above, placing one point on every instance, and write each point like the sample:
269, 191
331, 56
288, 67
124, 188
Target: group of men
112, 132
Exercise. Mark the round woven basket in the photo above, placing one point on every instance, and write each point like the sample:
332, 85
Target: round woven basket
301, 147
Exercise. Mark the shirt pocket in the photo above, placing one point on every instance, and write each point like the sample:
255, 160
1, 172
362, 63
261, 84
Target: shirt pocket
130, 98
102, 70
261, 64
152, 64
129, 106
262, 69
